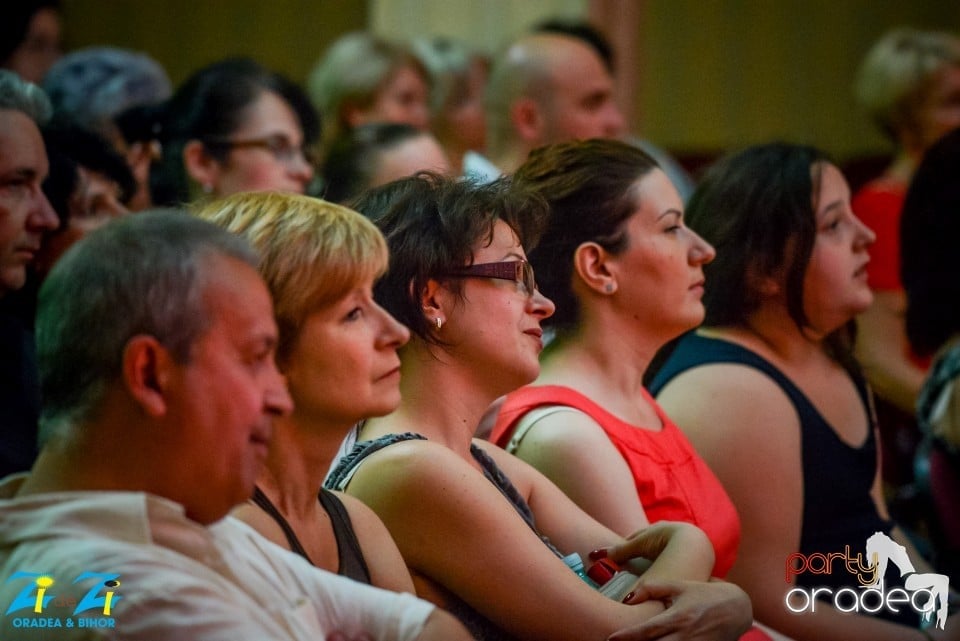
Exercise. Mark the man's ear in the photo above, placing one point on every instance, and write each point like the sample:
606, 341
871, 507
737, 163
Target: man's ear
591, 263
146, 373
200, 165
527, 119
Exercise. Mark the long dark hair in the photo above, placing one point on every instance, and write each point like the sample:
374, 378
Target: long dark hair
758, 207
588, 186
209, 106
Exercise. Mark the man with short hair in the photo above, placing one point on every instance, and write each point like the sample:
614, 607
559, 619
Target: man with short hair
155, 340
25, 215
544, 88
24, 211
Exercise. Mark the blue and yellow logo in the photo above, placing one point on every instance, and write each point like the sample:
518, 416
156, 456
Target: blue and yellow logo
40, 593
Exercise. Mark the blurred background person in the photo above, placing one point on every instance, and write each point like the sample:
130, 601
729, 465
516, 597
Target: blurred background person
376, 153
89, 185
929, 229
234, 126
95, 86
457, 79
25, 216
909, 84
594, 38
30, 37
543, 88
362, 78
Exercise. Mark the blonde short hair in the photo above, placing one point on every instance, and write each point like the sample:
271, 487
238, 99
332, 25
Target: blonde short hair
897, 73
351, 73
311, 252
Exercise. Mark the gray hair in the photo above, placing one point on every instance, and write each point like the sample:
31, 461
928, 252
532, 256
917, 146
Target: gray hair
896, 73
142, 274
96, 84
17, 94
350, 73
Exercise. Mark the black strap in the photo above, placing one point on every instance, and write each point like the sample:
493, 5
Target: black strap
261, 500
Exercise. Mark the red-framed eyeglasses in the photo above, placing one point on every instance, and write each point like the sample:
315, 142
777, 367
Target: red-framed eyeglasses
519, 271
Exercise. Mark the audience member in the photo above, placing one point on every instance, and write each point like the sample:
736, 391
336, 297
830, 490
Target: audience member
909, 83
459, 280
457, 79
234, 126
374, 154
769, 394
30, 37
156, 342
88, 186
593, 37
25, 215
929, 229
337, 350
362, 78
627, 277
94, 86
544, 88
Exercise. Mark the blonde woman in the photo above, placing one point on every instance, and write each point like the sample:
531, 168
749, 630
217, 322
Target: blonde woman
338, 352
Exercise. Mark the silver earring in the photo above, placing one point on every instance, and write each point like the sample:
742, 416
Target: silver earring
608, 288
439, 323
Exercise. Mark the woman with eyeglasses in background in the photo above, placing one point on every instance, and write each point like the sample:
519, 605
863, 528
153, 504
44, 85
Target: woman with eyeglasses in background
483, 533
234, 126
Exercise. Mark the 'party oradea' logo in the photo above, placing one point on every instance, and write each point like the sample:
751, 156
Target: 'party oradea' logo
41, 604
924, 592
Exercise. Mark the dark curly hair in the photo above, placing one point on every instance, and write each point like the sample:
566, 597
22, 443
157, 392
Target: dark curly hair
432, 224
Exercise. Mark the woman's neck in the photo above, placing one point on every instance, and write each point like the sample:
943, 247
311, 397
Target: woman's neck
590, 360
441, 401
300, 454
772, 330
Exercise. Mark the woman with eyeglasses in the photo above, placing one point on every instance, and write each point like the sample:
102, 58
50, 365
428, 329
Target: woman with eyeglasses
234, 126
483, 533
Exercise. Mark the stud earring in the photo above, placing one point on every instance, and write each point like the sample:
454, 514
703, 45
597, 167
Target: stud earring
439, 323
608, 288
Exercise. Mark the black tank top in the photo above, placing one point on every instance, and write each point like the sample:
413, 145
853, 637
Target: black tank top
482, 628
838, 510
350, 556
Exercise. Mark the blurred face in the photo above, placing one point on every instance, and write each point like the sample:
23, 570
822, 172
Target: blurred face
344, 365
403, 99
94, 203
581, 104
941, 112
412, 155
40, 47
267, 151
495, 330
25, 213
835, 283
660, 274
463, 120
225, 398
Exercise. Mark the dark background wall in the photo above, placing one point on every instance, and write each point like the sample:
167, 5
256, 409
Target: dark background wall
701, 75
